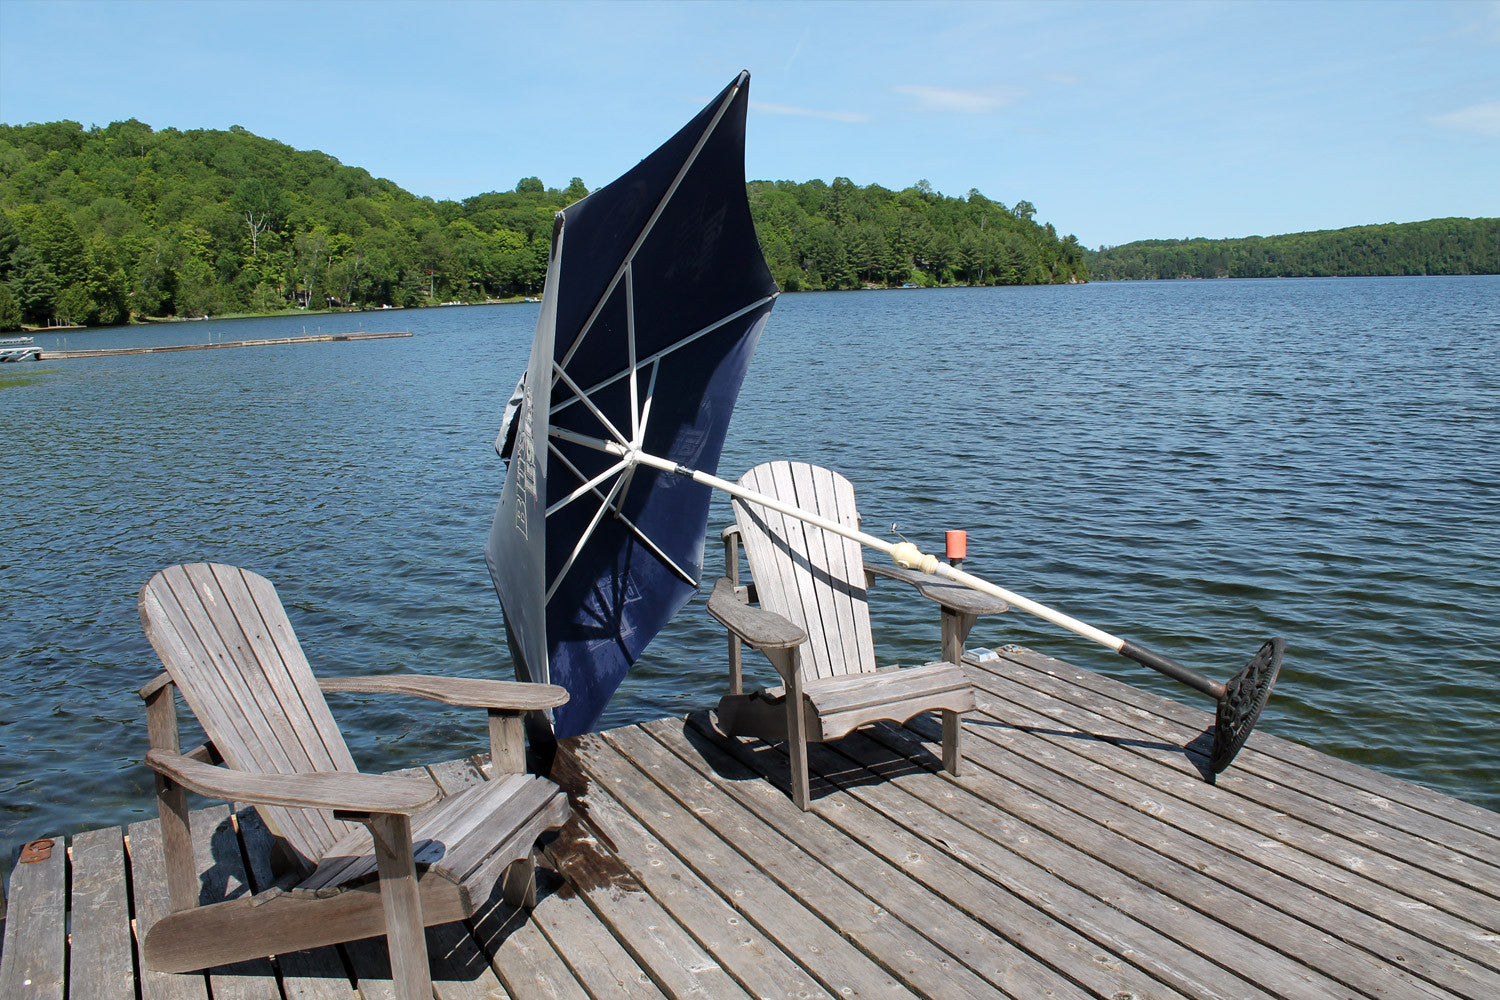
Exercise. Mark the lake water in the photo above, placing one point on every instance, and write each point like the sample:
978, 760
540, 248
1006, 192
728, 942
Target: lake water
1193, 465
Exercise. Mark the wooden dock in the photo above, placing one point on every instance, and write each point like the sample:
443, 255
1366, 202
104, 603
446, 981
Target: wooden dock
312, 338
1080, 855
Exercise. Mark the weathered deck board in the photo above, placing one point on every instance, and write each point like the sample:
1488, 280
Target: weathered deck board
893, 875
32, 962
1450, 848
1081, 855
1207, 914
1280, 873
1017, 777
1374, 788
103, 968
148, 890
1155, 759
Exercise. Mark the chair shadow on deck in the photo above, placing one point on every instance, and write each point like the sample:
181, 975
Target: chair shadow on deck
459, 951
751, 759
1196, 750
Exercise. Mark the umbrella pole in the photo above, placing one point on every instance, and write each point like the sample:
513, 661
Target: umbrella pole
1239, 700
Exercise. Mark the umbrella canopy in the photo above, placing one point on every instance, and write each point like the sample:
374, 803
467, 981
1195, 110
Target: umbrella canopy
656, 294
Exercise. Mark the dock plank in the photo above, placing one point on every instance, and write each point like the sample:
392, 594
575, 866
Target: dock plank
309, 974
221, 876
865, 816
1350, 785
741, 948
756, 886
102, 964
1186, 806
1221, 921
1017, 776
1164, 766
1025, 861
1369, 818
592, 952
677, 962
151, 901
32, 964
523, 958
917, 936
1080, 856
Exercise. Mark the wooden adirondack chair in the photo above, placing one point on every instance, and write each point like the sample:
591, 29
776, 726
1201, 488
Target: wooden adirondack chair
362, 854
813, 624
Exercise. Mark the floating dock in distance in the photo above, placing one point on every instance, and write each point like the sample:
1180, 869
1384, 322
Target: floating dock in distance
315, 338
18, 349
1080, 856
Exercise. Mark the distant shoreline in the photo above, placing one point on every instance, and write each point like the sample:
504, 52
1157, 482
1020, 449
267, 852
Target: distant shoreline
521, 300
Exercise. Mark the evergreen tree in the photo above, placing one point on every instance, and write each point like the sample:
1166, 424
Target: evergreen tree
10, 310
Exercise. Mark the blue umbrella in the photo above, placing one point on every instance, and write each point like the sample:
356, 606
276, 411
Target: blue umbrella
655, 297
656, 294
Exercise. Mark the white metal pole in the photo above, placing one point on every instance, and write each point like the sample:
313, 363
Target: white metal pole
909, 556
926, 563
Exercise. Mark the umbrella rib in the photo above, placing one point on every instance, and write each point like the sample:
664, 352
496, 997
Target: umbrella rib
635, 424
583, 539
588, 484
635, 529
685, 341
579, 394
598, 444
646, 407
661, 206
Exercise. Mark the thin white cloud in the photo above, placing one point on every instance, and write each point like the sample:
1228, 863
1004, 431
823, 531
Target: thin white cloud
1480, 119
964, 102
788, 109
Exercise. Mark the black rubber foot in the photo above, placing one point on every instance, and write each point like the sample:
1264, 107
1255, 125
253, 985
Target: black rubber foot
1244, 697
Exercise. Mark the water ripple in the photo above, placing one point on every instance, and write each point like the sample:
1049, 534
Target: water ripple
1195, 465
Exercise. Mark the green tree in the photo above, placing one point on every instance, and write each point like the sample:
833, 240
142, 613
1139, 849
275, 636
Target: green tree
73, 305
167, 222
9, 241
34, 285
10, 310
262, 205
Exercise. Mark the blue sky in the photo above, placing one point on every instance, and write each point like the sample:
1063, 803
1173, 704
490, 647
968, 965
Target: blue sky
1119, 121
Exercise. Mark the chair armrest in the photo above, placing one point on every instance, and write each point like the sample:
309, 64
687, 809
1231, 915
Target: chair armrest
347, 790
940, 590
472, 692
154, 685
760, 628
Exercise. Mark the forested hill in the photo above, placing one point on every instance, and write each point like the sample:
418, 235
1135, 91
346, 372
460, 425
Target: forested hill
1438, 246
101, 224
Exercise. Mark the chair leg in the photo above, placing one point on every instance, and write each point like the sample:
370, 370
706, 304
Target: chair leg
518, 884
403, 906
953, 739
785, 661
796, 749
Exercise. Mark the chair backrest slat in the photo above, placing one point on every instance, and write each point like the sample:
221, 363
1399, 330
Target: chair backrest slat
226, 641
812, 577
